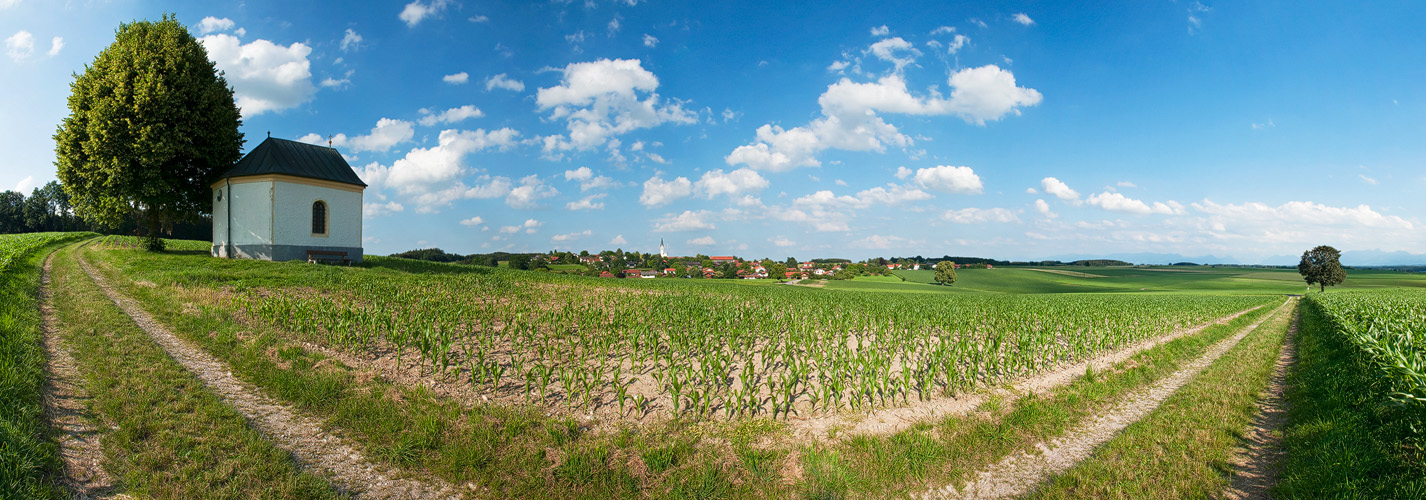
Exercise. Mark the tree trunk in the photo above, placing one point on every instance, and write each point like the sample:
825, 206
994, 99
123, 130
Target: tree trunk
152, 242
1323, 288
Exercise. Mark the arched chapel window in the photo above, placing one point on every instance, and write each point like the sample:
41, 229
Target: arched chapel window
319, 217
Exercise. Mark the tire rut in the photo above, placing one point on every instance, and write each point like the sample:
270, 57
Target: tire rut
67, 407
1256, 465
1020, 472
321, 452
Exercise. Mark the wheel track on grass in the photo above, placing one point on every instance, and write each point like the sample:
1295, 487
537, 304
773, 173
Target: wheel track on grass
321, 452
1257, 465
1020, 472
892, 420
67, 409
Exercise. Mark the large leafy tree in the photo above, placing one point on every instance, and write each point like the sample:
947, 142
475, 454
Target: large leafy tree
1322, 266
151, 123
946, 272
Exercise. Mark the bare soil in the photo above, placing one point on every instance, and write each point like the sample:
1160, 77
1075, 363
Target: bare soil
1019, 473
67, 407
321, 452
1256, 465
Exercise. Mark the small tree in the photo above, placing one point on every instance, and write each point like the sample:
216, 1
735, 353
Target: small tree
151, 123
946, 272
1322, 266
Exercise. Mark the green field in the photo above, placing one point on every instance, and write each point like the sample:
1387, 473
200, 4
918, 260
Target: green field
1212, 280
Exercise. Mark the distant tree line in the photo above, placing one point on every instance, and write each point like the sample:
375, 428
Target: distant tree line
48, 208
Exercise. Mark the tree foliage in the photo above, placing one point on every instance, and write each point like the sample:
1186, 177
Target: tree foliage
151, 123
946, 272
1322, 266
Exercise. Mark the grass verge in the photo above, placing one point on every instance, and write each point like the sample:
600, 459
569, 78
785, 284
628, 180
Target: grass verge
1182, 449
930, 455
29, 464
166, 435
1343, 439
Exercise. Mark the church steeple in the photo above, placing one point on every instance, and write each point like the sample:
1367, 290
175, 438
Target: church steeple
662, 253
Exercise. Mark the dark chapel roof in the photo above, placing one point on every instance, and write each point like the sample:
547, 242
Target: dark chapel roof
281, 156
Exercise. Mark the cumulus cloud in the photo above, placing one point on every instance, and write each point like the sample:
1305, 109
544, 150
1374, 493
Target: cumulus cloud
590, 202
1303, 212
601, 99
26, 184
456, 79
880, 30
1059, 189
20, 46
433, 176
903, 172
1023, 19
850, 116
658, 191
1116, 202
452, 115
1044, 209
529, 227
417, 11
212, 24
896, 51
686, 221
948, 179
587, 180
650, 41
957, 43
265, 76
716, 182
351, 41
561, 238
383, 136
619, 240
981, 216
880, 242
782, 241
377, 209
530, 191
472, 222
703, 241
501, 81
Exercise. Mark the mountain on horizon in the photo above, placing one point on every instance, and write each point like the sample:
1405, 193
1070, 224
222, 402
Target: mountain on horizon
1358, 258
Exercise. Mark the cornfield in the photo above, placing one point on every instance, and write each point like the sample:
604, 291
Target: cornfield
1389, 330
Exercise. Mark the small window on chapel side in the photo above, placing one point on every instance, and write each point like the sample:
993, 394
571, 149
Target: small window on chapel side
319, 217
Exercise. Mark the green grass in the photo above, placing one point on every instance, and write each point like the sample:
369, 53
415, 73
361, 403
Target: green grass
933, 454
1343, 438
29, 464
1181, 450
164, 434
1210, 280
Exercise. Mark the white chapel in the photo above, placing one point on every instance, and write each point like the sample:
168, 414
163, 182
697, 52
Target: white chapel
288, 200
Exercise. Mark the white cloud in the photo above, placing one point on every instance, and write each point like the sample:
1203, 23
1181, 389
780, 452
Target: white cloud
838, 66
716, 182
56, 45
903, 172
433, 175
613, 26
1116, 202
529, 227
957, 43
880, 242
530, 191
351, 41
560, 238
212, 24
1022, 19
5, 4
650, 41
25, 185
20, 46
896, 51
1302, 223
782, 241
600, 99
417, 11
850, 119
703, 241
1044, 209
948, 179
452, 115
383, 136
587, 180
500, 81
1195, 16
1367, 180
1126, 184
375, 209
333, 83
472, 222
265, 76
1262, 126
686, 221
619, 240
658, 191
456, 79
1059, 189
943, 30
590, 202
981, 216
880, 30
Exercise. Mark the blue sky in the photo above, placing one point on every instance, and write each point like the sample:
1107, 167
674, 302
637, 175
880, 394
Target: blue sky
1017, 130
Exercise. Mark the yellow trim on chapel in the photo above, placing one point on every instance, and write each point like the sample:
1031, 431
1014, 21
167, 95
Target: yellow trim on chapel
293, 179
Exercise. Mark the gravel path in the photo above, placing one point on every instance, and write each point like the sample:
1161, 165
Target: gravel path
1021, 472
892, 420
1256, 465
303, 437
67, 407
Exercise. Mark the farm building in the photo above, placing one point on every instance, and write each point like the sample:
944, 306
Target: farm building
288, 200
